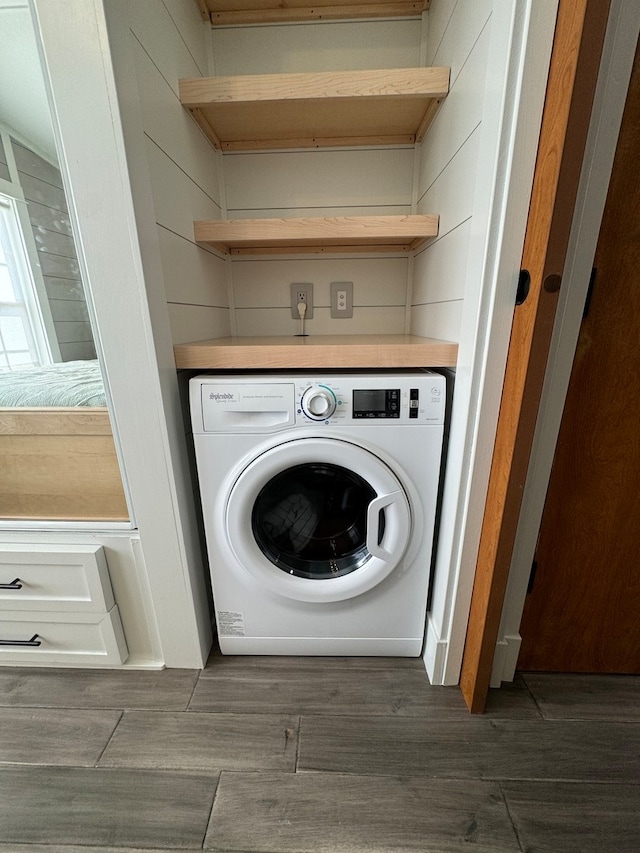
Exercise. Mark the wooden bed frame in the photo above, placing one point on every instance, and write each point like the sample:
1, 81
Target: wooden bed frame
59, 464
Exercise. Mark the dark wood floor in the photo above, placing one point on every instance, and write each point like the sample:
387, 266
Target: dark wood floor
331, 755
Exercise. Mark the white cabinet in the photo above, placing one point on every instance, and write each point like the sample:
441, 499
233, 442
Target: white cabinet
57, 606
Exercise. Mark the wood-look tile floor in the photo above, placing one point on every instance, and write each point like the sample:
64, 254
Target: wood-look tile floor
315, 755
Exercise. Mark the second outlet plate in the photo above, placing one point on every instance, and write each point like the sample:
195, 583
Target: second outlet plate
341, 300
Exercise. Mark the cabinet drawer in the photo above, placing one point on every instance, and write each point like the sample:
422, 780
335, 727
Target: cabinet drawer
50, 577
72, 639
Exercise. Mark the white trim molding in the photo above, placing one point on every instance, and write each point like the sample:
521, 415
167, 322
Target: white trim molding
131, 320
519, 55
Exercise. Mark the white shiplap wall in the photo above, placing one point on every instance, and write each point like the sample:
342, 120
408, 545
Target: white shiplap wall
329, 182
319, 46
458, 36
210, 296
167, 41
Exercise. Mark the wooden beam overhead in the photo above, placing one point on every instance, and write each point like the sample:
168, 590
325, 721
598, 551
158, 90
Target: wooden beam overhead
226, 12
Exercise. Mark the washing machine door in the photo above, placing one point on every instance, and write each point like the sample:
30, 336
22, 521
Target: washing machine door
318, 519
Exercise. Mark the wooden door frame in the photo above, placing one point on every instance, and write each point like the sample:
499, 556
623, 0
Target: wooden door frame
609, 105
575, 61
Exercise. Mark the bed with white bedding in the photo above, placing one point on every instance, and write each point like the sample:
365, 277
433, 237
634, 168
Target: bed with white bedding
57, 453
67, 384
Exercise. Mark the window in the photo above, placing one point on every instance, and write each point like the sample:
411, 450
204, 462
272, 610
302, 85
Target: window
22, 341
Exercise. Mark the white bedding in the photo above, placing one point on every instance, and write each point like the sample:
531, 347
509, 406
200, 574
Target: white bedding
70, 383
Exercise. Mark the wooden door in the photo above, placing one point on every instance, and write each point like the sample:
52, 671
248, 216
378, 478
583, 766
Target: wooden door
575, 60
583, 611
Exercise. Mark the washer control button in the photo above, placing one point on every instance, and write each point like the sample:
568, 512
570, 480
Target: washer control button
318, 403
414, 402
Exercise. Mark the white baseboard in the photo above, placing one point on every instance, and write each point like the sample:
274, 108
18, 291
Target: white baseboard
505, 659
435, 654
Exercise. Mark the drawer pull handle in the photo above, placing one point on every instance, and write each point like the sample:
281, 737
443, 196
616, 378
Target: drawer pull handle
15, 584
34, 641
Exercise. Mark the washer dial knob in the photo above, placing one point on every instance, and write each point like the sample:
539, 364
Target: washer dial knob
318, 403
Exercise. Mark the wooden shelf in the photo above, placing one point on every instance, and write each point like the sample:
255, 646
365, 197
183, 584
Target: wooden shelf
320, 351
311, 110
221, 12
335, 234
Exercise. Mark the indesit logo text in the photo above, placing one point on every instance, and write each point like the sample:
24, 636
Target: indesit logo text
221, 397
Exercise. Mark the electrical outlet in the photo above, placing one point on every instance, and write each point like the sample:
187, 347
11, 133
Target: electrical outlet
301, 293
341, 300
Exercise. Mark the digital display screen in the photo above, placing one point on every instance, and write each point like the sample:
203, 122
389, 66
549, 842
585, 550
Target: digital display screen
373, 400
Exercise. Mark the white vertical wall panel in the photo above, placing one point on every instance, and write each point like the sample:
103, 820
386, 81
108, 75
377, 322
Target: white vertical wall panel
438, 20
169, 125
439, 319
459, 35
330, 46
167, 41
370, 321
318, 179
178, 199
188, 21
448, 169
439, 271
458, 117
376, 281
466, 22
195, 279
342, 210
198, 323
262, 294
192, 277
451, 193
155, 25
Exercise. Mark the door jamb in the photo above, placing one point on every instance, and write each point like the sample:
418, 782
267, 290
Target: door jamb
609, 103
572, 79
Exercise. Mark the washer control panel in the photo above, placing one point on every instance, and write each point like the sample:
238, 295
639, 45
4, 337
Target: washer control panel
251, 403
401, 398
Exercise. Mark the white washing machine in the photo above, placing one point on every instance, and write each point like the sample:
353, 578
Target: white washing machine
319, 496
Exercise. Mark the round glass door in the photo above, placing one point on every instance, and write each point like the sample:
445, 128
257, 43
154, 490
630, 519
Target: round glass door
316, 519
311, 520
